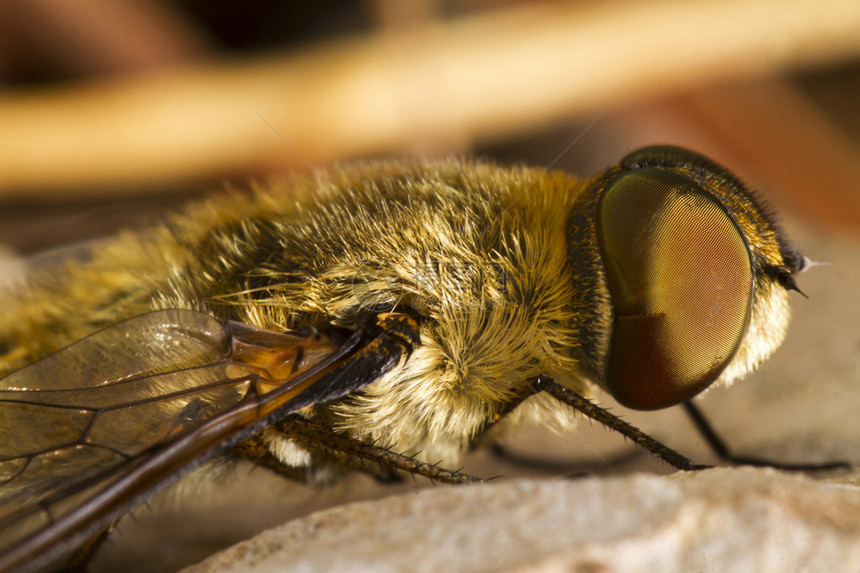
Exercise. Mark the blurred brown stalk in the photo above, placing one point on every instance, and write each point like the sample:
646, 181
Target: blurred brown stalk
440, 86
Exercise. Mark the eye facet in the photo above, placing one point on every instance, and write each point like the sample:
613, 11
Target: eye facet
680, 278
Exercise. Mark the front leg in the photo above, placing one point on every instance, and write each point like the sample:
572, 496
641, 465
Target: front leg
585, 406
602, 415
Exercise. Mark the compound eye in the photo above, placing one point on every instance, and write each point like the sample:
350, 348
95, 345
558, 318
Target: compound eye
679, 275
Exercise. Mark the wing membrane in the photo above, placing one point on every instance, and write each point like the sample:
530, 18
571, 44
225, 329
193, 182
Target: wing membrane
87, 431
155, 342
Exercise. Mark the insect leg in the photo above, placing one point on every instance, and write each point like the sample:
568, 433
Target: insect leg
537, 463
323, 439
719, 447
82, 557
570, 467
254, 450
595, 412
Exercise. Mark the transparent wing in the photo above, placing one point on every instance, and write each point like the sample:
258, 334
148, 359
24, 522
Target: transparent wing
89, 430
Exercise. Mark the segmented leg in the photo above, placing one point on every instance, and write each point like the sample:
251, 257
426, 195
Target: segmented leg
83, 555
719, 447
602, 415
351, 453
321, 438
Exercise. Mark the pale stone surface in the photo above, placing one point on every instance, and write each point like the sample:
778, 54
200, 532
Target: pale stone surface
715, 520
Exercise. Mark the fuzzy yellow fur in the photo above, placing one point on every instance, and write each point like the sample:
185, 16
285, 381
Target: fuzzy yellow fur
478, 252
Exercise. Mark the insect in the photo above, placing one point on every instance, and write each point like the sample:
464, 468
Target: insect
407, 305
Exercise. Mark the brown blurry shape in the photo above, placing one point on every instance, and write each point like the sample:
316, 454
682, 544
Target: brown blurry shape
98, 37
786, 138
497, 74
772, 135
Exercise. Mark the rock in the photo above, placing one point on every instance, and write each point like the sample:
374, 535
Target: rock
723, 519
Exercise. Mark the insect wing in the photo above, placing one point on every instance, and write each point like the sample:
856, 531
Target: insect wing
131, 403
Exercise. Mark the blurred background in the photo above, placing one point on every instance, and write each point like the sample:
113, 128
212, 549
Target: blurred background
114, 111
